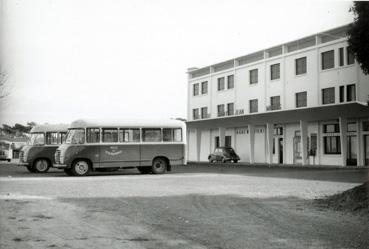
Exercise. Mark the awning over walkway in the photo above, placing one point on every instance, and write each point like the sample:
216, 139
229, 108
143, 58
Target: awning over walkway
326, 112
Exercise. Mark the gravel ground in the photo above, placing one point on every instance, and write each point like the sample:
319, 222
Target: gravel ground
181, 210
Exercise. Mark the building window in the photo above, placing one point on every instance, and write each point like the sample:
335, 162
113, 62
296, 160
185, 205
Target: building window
300, 66
351, 127
331, 128
350, 56
332, 145
221, 111
221, 84
230, 81
109, 135
253, 105
196, 89
365, 125
328, 60
230, 108
275, 71
93, 135
129, 135
351, 92
341, 54
342, 94
254, 76
195, 113
328, 95
228, 141
204, 87
275, 103
204, 112
301, 99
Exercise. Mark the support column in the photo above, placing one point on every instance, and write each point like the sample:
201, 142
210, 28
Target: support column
343, 137
251, 142
304, 136
198, 144
221, 136
269, 139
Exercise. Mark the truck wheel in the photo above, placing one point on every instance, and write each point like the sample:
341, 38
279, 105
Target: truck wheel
144, 170
159, 166
80, 168
41, 166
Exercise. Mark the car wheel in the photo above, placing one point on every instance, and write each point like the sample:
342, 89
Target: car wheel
224, 160
80, 168
9, 160
144, 170
235, 161
30, 169
159, 166
41, 166
68, 172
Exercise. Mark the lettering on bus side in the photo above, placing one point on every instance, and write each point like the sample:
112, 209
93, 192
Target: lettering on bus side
113, 151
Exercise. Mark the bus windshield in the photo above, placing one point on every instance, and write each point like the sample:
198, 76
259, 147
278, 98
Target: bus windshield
37, 139
75, 136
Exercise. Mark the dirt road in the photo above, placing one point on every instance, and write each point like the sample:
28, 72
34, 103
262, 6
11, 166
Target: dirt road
174, 211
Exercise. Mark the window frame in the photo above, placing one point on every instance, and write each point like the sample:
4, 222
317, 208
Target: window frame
254, 76
230, 86
250, 105
273, 72
221, 84
302, 66
204, 83
327, 60
333, 97
351, 88
195, 89
87, 131
299, 101
148, 128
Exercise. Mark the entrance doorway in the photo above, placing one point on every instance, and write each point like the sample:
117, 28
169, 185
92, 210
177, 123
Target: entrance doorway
280, 146
351, 151
297, 153
228, 141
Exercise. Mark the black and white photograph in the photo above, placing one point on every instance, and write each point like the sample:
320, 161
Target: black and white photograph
226, 124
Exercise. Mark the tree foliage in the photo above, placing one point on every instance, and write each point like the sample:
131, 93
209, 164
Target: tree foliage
17, 129
359, 34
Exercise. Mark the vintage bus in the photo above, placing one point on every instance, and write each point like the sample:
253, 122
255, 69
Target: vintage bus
150, 146
38, 154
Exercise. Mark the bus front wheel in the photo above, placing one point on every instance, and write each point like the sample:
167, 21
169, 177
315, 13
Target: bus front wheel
159, 166
80, 168
41, 166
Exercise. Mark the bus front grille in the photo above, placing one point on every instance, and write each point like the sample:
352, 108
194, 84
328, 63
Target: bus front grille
57, 156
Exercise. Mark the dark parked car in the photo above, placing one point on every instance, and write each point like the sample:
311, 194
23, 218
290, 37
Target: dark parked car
223, 154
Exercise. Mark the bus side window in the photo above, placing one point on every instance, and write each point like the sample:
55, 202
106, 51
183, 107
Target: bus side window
93, 135
129, 135
151, 135
62, 137
172, 135
110, 135
51, 138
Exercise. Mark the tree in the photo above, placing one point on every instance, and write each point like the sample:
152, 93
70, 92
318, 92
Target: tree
359, 34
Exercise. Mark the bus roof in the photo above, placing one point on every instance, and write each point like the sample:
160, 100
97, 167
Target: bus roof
131, 123
49, 128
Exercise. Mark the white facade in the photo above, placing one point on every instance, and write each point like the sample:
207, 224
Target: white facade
300, 129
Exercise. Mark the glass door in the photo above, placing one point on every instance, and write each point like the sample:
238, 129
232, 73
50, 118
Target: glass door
352, 150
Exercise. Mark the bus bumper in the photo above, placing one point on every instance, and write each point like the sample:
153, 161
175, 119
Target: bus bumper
60, 166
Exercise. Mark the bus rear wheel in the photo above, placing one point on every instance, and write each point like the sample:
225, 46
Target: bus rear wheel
41, 166
159, 166
80, 168
144, 170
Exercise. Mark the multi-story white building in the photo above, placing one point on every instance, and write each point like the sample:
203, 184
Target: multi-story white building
303, 102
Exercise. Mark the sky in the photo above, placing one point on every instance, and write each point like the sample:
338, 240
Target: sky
74, 59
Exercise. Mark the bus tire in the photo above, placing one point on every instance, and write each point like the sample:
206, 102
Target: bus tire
30, 169
159, 165
41, 165
144, 170
68, 172
80, 167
